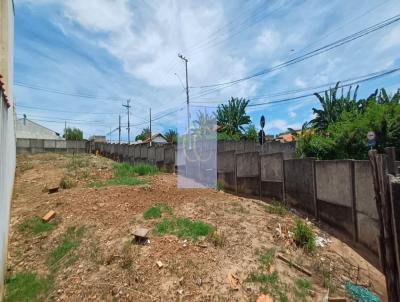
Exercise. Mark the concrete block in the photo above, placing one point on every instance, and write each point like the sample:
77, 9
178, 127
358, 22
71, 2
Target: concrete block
247, 164
334, 183
364, 189
272, 167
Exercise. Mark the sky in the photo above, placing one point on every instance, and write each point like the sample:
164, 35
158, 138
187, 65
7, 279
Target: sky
79, 61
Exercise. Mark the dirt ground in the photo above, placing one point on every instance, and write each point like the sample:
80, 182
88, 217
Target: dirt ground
108, 267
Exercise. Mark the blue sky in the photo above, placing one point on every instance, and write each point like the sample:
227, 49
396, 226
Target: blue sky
113, 50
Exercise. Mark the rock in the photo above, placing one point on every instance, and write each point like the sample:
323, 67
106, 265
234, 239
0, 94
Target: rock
159, 264
264, 298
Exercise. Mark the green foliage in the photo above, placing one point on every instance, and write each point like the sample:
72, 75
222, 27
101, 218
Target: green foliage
232, 117
171, 136
304, 236
222, 136
341, 126
73, 134
70, 241
145, 134
156, 211
184, 228
251, 133
35, 226
27, 287
302, 288
120, 181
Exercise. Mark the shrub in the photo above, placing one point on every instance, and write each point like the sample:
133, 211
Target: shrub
304, 236
66, 183
276, 207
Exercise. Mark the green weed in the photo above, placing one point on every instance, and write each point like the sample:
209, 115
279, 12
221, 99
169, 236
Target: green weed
70, 241
77, 162
156, 211
24, 166
217, 238
220, 185
66, 182
302, 288
35, 226
276, 207
183, 228
304, 236
120, 181
267, 258
27, 287
125, 169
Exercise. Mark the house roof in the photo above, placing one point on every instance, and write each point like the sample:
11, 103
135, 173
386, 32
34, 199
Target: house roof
3, 91
287, 137
153, 137
22, 118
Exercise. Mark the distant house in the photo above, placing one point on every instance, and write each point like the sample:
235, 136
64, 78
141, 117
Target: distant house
285, 137
98, 139
25, 128
156, 139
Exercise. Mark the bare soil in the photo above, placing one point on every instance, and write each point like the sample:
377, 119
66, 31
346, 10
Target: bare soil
108, 267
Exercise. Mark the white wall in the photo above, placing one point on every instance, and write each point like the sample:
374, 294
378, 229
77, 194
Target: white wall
28, 129
7, 130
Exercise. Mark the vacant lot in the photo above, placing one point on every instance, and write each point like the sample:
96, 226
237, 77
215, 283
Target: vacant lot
203, 245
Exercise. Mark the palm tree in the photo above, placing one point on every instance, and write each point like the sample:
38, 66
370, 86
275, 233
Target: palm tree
333, 107
204, 125
171, 135
144, 135
232, 118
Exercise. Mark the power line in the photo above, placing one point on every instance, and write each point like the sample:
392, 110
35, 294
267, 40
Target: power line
65, 111
88, 96
294, 91
362, 80
306, 56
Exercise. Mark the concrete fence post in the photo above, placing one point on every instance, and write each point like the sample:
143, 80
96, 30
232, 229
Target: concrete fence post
353, 201
236, 182
315, 200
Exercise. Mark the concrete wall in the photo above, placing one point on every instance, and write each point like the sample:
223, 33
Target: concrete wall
226, 170
7, 129
248, 173
42, 145
272, 185
335, 193
367, 214
300, 189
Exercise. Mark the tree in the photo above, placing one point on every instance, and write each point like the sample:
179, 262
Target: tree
251, 133
345, 136
232, 117
145, 134
204, 124
171, 136
332, 107
73, 134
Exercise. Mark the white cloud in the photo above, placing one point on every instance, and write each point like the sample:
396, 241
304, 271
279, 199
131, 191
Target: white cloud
268, 41
282, 125
300, 83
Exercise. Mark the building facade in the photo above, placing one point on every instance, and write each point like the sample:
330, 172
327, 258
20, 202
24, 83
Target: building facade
25, 128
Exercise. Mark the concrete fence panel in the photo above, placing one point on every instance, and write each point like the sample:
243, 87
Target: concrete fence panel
299, 184
226, 169
248, 173
367, 214
272, 185
335, 197
143, 152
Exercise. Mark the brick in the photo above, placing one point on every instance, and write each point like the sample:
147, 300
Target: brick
50, 215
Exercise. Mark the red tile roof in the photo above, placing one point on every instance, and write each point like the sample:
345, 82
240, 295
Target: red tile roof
3, 90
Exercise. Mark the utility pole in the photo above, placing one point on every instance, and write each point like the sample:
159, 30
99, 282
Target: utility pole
150, 128
127, 106
110, 135
65, 130
187, 99
119, 129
